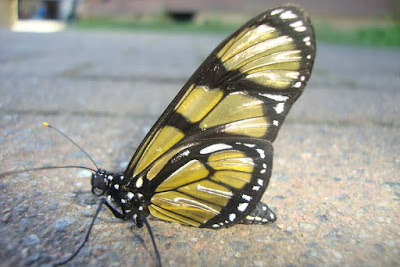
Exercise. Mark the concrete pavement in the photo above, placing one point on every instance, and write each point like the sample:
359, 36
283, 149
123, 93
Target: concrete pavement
336, 177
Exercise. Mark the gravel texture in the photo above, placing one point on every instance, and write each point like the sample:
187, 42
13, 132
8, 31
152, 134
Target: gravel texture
336, 178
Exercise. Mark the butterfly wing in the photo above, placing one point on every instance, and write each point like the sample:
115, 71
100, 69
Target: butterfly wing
211, 182
245, 88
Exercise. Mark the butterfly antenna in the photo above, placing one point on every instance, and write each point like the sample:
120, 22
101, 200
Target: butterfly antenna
4, 174
102, 200
153, 241
54, 128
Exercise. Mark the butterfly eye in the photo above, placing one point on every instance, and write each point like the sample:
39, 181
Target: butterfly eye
98, 184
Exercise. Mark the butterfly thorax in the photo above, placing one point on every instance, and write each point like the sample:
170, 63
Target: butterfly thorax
124, 195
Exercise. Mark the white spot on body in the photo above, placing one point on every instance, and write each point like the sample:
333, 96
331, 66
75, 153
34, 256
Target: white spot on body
215, 147
279, 108
275, 97
242, 206
139, 182
288, 15
232, 217
250, 218
261, 152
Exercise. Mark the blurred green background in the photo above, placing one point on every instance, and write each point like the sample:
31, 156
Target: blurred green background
365, 22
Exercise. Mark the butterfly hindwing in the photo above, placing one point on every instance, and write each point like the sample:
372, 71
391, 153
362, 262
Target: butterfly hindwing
210, 182
245, 88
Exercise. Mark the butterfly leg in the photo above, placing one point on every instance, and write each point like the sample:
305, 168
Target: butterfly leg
261, 214
115, 212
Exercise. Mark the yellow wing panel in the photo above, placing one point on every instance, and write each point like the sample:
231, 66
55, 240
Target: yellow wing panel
255, 127
192, 171
209, 191
199, 102
232, 178
172, 217
164, 140
233, 107
231, 160
186, 206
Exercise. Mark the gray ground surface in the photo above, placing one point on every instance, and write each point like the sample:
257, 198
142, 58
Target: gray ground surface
336, 177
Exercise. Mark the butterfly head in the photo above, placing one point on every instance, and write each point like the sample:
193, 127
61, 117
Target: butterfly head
100, 182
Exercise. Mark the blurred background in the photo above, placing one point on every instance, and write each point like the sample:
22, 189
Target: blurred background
359, 21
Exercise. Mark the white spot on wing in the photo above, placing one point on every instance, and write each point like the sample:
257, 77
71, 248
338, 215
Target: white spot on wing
296, 24
116, 186
242, 206
275, 122
213, 148
279, 108
129, 195
263, 171
297, 85
139, 182
277, 11
250, 218
276, 97
300, 29
256, 188
246, 197
249, 145
288, 15
260, 182
232, 217
307, 39
261, 152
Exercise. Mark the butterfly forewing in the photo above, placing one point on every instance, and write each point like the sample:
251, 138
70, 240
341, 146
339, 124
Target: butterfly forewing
211, 182
245, 88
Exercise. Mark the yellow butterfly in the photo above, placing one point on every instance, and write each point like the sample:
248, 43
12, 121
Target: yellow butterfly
208, 159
